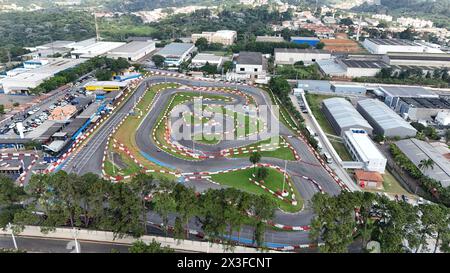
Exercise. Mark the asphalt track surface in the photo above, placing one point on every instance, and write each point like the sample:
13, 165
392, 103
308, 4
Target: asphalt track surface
89, 157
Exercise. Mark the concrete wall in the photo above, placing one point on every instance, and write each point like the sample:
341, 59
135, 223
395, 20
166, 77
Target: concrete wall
105, 236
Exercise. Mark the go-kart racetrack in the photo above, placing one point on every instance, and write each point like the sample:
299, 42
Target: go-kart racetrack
89, 157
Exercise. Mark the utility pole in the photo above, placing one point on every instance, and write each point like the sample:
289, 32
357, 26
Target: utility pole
97, 34
284, 176
113, 165
77, 246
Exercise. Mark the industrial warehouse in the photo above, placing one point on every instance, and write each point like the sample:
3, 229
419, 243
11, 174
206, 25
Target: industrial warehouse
343, 116
293, 55
385, 121
176, 53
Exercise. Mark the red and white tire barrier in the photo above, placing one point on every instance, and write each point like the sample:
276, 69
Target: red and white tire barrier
21, 156
75, 145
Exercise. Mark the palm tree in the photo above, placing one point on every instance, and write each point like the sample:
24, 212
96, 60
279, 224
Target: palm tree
426, 164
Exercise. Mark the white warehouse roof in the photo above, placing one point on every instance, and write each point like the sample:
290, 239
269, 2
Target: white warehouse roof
384, 119
344, 114
132, 47
96, 49
364, 146
205, 57
175, 49
34, 77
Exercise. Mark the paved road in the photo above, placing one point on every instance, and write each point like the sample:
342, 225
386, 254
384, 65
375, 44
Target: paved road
50, 245
89, 157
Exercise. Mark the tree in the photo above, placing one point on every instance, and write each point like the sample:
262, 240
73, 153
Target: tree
124, 211
346, 21
334, 223
320, 45
213, 207
94, 193
227, 66
447, 136
152, 247
426, 164
58, 197
178, 230
142, 185
103, 74
262, 173
186, 203
379, 138
2, 109
236, 211
10, 193
164, 201
209, 69
201, 43
279, 87
158, 60
263, 209
255, 158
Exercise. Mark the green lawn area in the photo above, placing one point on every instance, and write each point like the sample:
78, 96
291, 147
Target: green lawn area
314, 102
131, 168
127, 131
298, 72
341, 150
281, 152
391, 185
179, 98
274, 181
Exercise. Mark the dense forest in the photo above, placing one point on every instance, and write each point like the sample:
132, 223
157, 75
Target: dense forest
38, 27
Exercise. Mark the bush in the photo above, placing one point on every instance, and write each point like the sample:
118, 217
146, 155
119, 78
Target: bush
430, 185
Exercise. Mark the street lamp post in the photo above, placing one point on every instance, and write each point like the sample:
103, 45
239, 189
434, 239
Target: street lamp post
283, 192
113, 166
13, 237
77, 246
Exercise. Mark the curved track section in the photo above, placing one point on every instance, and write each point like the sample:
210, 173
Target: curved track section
308, 174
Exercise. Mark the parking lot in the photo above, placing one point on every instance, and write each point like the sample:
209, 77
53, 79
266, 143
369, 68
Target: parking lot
37, 115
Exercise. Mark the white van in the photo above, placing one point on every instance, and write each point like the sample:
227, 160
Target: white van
327, 157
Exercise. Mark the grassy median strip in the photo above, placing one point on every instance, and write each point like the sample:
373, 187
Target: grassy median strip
126, 134
281, 152
240, 179
284, 116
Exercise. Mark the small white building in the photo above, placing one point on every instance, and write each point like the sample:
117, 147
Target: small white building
202, 59
293, 55
249, 66
362, 149
132, 51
